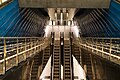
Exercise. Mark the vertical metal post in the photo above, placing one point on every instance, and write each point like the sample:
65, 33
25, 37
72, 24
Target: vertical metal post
96, 47
25, 50
37, 48
39, 44
92, 45
87, 39
17, 61
110, 48
4, 63
86, 43
102, 47
31, 46
35, 45
42, 44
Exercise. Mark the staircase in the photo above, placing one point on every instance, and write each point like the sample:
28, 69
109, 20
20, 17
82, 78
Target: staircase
34, 73
67, 73
46, 55
56, 61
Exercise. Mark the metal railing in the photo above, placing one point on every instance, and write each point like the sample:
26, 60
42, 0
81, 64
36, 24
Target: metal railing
14, 50
108, 48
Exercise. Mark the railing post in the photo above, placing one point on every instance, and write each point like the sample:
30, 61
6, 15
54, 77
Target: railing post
35, 45
39, 45
31, 46
36, 40
102, 47
92, 45
96, 46
17, 61
110, 47
86, 42
4, 63
42, 45
25, 50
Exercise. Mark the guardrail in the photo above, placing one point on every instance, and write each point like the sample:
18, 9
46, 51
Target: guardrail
14, 50
108, 48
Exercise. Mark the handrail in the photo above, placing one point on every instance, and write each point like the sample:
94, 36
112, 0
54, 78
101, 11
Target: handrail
104, 47
14, 50
100, 38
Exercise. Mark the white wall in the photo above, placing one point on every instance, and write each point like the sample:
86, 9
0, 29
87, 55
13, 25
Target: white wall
58, 29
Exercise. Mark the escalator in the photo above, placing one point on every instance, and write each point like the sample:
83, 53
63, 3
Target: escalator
61, 62
67, 68
86, 58
56, 61
77, 53
35, 67
89, 65
46, 55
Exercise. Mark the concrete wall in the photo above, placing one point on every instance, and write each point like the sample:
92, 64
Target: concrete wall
65, 3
